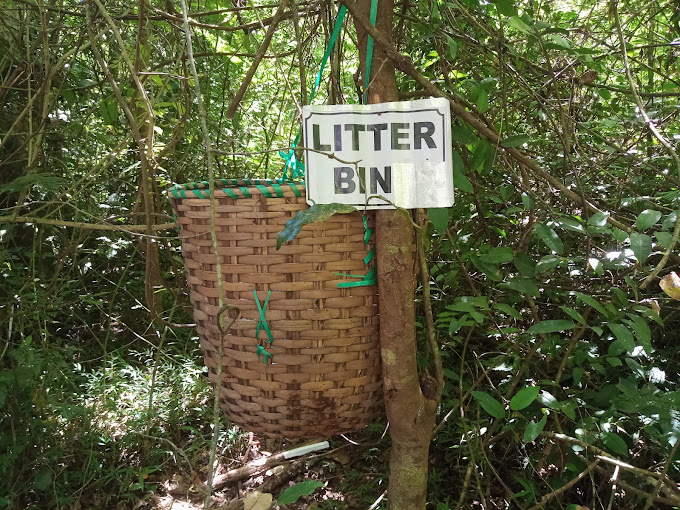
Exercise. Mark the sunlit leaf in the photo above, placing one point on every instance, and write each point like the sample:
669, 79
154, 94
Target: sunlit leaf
641, 244
533, 429
524, 397
489, 404
623, 335
551, 326
439, 217
614, 443
647, 218
549, 237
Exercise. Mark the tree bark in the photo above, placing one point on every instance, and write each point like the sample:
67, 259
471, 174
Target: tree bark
410, 413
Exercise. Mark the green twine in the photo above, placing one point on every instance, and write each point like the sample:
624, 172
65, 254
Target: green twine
262, 324
296, 166
369, 49
369, 278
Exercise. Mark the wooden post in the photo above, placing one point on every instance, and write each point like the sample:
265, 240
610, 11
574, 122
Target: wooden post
411, 414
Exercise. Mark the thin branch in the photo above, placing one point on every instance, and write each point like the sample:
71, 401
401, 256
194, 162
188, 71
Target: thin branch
132, 229
421, 220
405, 65
231, 110
657, 134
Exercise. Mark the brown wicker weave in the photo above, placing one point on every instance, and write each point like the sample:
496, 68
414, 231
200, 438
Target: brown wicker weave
324, 376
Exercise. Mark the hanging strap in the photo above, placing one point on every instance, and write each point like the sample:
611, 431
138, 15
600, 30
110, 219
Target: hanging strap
295, 165
369, 49
369, 278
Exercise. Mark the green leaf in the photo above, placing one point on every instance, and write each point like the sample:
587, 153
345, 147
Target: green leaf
614, 443
489, 404
599, 219
453, 48
508, 310
524, 397
549, 237
462, 183
523, 285
592, 302
525, 264
641, 244
484, 151
560, 41
439, 216
669, 221
462, 134
551, 326
642, 331
571, 224
664, 238
516, 22
315, 213
546, 263
527, 201
41, 181
499, 255
293, 493
647, 218
483, 100
515, 140
623, 335
533, 429
573, 314
43, 479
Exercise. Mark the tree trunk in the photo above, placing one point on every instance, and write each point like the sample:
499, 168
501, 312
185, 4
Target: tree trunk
410, 413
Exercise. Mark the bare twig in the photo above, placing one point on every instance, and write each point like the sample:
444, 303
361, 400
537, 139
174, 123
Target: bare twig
258, 58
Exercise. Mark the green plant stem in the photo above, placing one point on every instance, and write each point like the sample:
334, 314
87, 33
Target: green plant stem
421, 220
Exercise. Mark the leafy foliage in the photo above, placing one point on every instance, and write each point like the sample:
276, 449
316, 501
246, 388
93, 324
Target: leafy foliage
551, 346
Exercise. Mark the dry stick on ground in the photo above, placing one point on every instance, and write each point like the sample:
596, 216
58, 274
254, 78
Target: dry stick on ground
657, 134
405, 65
258, 58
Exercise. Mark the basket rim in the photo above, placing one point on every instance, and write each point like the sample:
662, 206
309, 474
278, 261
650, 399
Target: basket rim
238, 188
235, 183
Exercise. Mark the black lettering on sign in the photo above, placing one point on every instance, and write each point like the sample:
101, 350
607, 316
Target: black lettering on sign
423, 130
337, 130
384, 180
355, 128
344, 180
362, 180
316, 140
398, 134
377, 134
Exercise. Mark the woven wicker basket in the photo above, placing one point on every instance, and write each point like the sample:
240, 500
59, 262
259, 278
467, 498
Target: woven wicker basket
324, 374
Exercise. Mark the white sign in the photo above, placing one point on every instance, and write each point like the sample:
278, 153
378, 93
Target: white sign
379, 156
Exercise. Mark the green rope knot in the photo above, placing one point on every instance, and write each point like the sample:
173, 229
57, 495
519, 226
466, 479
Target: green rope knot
262, 324
265, 355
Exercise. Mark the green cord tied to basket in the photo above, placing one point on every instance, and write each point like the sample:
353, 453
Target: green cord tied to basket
262, 324
369, 278
297, 168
